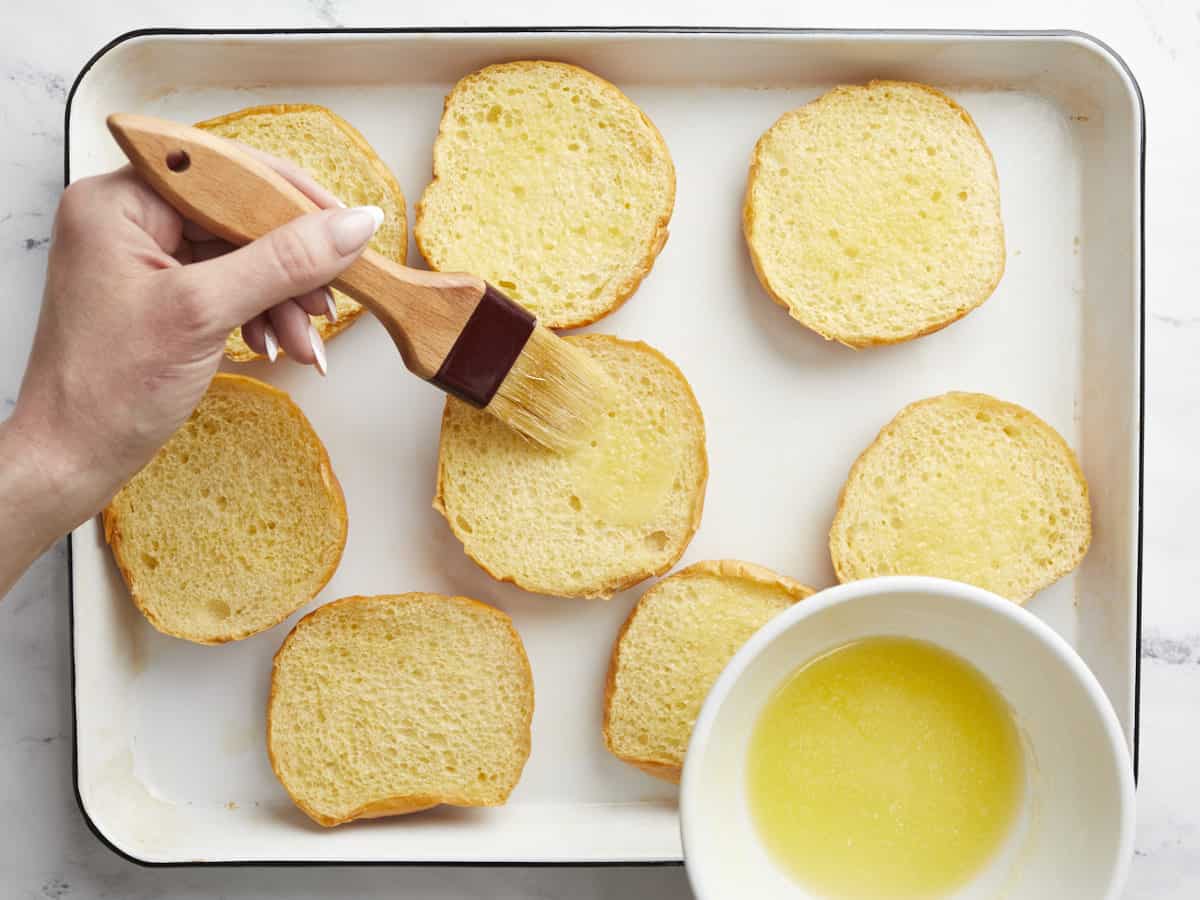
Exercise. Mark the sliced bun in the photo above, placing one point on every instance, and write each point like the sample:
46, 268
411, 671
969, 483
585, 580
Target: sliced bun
236, 523
671, 649
873, 213
340, 159
594, 521
968, 487
388, 705
551, 184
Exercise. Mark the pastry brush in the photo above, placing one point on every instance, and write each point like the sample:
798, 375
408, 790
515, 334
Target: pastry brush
454, 330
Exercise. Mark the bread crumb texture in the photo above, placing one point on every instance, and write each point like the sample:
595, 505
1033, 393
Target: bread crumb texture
391, 704
339, 158
872, 214
551, 184
595, 520
237, 521
670, 651
967, 487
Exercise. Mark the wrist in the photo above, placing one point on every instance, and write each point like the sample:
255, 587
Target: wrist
42, 483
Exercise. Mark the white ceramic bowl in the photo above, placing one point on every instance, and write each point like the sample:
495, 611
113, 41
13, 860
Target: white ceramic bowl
1074, 837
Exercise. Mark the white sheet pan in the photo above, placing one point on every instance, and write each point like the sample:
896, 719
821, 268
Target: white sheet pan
171, 766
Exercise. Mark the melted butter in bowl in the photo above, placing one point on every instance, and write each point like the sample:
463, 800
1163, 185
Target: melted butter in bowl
886, 767
907, 737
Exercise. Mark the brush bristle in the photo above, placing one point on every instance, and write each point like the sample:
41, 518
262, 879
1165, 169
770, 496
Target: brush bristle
554, 393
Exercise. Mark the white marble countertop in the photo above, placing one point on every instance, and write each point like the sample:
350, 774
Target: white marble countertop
47, 850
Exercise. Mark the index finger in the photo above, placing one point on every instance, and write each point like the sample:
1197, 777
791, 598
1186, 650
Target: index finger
297, 176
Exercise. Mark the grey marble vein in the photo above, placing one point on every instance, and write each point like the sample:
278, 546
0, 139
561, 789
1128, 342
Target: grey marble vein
1176, 321
327, 12
1156, 32
25, 74
1175, 651
46, 739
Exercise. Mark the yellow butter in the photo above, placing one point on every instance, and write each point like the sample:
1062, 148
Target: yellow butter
626, 473
885, 768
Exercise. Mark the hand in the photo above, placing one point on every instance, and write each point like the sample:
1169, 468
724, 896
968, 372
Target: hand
136, 310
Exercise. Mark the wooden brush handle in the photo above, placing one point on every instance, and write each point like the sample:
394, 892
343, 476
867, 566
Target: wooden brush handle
211, 182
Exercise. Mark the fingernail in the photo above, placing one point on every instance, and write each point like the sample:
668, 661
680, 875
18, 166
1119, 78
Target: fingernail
354, 227
340, 204
330, 307
318, 349
272, 343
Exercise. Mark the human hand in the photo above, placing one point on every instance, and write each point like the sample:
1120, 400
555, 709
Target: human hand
137, 307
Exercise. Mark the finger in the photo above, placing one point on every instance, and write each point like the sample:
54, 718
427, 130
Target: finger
255, 332
297, 176
317, 303
292, 260
291, 325
124, 192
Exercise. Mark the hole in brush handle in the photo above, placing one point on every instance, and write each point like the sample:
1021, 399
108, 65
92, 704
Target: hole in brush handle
178, 160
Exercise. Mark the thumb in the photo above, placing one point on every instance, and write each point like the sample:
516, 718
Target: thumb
290, 261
